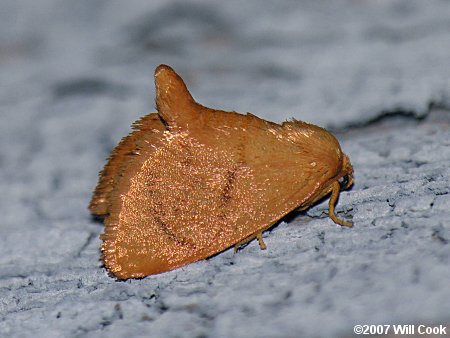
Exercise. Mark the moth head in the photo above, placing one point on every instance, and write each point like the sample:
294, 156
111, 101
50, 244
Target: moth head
346, 180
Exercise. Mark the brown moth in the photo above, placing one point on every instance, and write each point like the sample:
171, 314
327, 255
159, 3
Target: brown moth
191, 181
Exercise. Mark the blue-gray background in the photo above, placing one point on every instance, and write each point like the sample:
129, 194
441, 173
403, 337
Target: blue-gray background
75, 74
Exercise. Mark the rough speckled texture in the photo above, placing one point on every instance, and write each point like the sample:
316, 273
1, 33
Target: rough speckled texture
74, 75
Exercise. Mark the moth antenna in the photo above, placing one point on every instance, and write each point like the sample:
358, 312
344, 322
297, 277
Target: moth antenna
174, 103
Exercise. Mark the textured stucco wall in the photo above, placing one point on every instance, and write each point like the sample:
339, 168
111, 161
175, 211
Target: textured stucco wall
75, 74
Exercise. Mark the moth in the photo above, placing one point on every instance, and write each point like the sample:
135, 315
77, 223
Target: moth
190, 181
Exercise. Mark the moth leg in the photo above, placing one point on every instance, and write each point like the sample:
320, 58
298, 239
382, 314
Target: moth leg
257, 235
334, 196
262, 245
244, 241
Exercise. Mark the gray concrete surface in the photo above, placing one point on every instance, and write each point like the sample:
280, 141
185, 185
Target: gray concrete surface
75, 74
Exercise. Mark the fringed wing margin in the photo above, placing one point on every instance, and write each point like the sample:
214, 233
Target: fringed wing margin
118, 161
